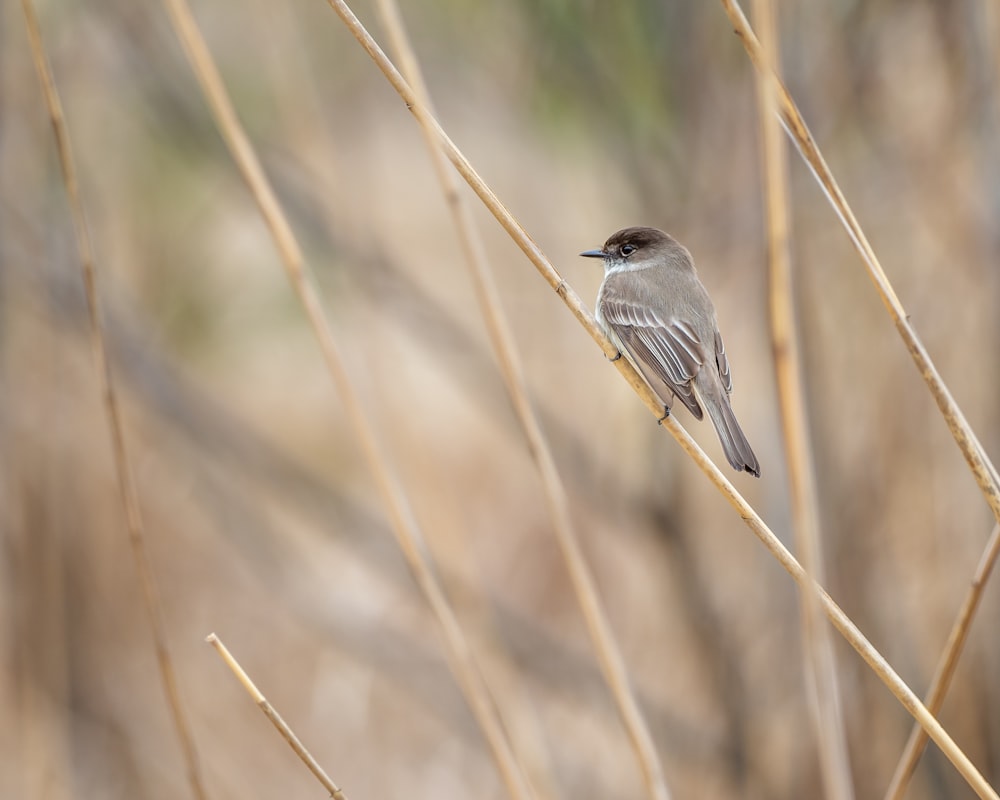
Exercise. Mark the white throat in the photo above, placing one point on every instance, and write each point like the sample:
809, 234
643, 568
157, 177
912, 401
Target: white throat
613, 266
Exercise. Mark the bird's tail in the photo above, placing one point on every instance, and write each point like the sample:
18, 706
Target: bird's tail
734, 442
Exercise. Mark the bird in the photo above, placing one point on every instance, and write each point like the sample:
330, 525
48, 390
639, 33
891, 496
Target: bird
655, 309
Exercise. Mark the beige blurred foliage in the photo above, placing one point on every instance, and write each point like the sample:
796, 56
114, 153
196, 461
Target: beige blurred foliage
261, 517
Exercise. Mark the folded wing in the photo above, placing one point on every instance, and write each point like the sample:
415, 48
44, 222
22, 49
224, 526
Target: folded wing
669, 350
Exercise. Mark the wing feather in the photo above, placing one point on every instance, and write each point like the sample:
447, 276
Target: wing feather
668, 349
723, 362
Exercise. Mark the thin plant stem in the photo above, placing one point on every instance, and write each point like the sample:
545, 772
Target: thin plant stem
982, 468
601, 634
945, 670
820, 665
123, 467
917, 741
841, 621
272, 714
405, 526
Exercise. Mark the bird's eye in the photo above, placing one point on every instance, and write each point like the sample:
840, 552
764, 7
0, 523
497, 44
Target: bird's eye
628, 249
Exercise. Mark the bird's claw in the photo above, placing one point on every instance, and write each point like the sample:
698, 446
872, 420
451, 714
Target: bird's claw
666, 413
617, 356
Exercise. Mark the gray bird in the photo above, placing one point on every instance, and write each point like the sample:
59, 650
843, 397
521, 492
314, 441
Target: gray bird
654, 308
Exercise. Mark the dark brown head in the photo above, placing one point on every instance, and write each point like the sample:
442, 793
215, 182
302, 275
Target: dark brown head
636, 245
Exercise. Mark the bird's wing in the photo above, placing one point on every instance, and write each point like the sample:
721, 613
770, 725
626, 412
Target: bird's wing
723, 362
668, 349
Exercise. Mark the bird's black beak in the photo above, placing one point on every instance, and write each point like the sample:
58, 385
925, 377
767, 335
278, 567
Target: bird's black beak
593, 254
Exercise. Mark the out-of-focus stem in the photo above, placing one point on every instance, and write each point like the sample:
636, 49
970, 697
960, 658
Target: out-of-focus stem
818, 658
404, 523
123, 466
601, 635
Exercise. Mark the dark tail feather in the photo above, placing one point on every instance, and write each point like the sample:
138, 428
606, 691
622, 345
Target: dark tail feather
734, 443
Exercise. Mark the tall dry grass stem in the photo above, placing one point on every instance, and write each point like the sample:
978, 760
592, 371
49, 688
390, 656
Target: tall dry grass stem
404, 524
841, 621
601, 634
982, 468
945, 669
818, 657
272, 714
123, 466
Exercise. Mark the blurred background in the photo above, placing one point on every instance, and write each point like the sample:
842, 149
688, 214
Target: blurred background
261, 516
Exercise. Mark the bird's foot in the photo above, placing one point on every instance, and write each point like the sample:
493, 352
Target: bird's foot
666, 413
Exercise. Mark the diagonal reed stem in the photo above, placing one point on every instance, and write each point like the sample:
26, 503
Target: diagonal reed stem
841, 621
404, 523
601, 634
945, 670
982, 468
818, 657
917, 741
276, 719
123, 465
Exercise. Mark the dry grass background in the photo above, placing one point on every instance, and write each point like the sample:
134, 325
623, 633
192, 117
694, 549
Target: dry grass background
261, 516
